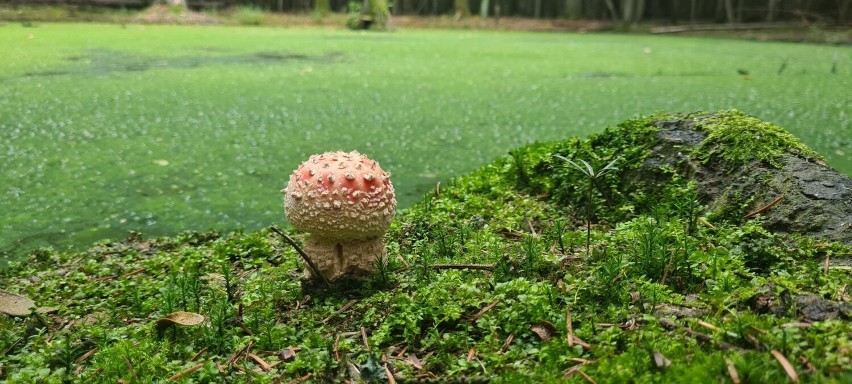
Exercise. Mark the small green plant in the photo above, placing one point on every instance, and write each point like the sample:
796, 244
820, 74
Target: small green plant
353, 16
249, 15
592, 176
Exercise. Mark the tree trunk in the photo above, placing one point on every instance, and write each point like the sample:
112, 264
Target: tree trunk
537, 9
483, 8
573, 9
322, 7
631, 10
462, 8
729, 11
843, 11
692, 11
612, 12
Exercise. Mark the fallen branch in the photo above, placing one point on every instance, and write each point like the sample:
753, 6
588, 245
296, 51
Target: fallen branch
364, 338
304, 255
236, 356
506, 344
198, 355
389, 375
86, 355
264, 366
341, 310
183, 374
671, 325
764, 209
301, 379
569, 328
715, 27
485, 267
481, 312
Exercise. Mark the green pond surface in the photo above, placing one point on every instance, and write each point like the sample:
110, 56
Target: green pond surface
106, 129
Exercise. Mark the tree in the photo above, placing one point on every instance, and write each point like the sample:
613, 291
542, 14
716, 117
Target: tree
462, 8
632, 10
483, 8
573, 9
322, 7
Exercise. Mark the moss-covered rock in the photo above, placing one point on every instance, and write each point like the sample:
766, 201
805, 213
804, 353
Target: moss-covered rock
739, 163
742, 164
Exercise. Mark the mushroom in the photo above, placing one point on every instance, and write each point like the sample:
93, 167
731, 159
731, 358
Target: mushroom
346, 202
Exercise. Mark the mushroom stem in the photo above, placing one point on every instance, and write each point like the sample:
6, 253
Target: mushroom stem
335, 258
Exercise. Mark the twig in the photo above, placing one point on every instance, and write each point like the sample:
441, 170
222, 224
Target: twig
765, 208
569, 328
530, 225
707, 325
483, 311
667, 269
364, 338
198, 355
181, 375
671, 325
264, 366
239, 353
585, 376
827, 263
129, 366
405, 263
471, 353
807, 363
337, 348
388, 373
485, 267
506, 344
341, 310
304, 255
794, 377
732, 371
301, 379
86, 355
576, 369
706, 223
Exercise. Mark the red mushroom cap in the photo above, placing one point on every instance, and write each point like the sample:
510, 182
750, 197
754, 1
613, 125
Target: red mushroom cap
339, 195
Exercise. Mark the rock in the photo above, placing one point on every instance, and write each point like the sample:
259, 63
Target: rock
817, 200
809, 307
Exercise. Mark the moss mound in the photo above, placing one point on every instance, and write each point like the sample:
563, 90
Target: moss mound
509, 274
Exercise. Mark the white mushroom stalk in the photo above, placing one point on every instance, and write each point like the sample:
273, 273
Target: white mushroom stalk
346, 202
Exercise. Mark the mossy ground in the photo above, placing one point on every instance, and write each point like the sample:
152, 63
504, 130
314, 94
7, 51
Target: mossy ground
657, 297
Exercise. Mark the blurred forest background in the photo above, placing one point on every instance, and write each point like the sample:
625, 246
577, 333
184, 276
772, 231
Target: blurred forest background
623, 11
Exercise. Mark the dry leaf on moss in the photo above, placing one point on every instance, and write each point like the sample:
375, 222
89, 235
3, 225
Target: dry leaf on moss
16, 305
179, 318
544, 330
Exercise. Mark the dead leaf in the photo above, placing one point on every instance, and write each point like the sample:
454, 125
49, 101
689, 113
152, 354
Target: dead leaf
661, 361
16, 305
544, 330
186, 319
414, 361
287, 354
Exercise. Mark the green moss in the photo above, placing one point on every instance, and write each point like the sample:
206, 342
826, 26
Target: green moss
740, 139
649, 264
